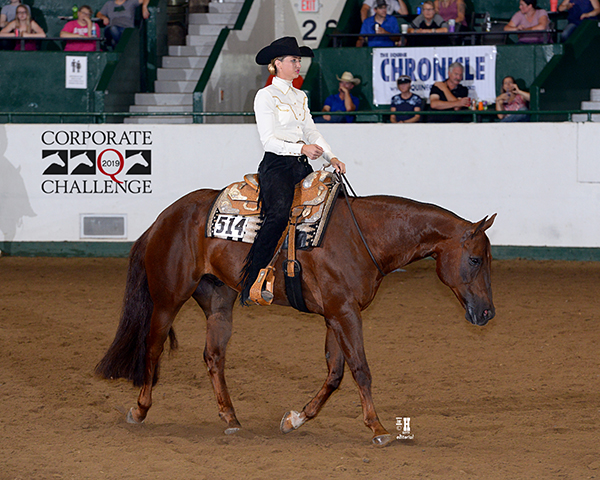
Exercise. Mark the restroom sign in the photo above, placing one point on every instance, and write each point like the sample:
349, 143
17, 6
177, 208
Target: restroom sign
309, 6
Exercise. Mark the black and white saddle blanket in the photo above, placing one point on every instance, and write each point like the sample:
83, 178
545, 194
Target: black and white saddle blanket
235, 214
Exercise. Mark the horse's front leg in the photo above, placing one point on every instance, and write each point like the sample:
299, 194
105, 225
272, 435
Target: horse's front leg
335, 365
216, 300
348, 332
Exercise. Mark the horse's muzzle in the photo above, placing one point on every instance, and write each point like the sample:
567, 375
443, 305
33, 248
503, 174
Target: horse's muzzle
480, 317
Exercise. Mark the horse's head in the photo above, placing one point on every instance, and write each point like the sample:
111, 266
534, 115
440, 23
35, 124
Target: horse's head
463, 263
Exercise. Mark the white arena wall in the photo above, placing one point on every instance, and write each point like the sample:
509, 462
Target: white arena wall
542, 179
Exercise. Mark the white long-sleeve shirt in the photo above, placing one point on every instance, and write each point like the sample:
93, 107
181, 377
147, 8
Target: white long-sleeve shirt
283, 120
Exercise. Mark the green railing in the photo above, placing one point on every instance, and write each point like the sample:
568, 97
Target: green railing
370, 116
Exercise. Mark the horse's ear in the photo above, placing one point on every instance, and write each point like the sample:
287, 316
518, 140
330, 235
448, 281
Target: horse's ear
484, 224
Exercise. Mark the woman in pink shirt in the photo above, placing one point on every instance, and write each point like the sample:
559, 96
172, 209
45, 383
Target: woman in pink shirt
512, 99
529, 18
452, 10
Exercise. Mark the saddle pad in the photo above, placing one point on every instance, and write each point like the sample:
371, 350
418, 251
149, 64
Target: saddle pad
235, 215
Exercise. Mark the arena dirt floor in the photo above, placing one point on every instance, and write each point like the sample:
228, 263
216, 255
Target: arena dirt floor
516, 399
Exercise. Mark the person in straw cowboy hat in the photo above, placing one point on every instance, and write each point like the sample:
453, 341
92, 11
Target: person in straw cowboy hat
290, 139
342, 101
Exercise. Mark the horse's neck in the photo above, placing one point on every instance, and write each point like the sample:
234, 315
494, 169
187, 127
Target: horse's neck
406, 231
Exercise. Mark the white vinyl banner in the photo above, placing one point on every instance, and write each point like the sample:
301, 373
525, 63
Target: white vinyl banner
427, 65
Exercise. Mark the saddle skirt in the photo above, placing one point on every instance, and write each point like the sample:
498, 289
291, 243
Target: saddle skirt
235, 214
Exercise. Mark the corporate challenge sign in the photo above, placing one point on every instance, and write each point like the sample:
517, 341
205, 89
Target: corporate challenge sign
427, 65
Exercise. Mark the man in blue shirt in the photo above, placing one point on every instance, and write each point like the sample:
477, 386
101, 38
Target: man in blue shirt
343, 101
379, 23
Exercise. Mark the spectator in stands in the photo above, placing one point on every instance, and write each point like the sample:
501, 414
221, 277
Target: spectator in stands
529, 18
82, 27
117, 15
379, 23
428, 22
393, 6
452, 10
450, 95
512, 99
405, 101
342, 101
23, 26
578, 10
9, 12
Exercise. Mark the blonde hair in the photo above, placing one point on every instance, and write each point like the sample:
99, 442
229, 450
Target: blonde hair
272, 68
27, 21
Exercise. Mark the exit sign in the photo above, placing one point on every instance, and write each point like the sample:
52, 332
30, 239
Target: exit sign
308, 6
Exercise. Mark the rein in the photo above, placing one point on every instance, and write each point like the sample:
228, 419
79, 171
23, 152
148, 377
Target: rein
344, 181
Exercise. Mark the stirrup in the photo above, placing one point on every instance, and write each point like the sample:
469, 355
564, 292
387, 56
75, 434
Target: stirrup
261, 291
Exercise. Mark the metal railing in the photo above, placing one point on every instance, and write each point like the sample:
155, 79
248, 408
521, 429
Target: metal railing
369, 116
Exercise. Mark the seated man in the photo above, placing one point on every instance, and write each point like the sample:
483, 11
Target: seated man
429, 22
450, 94
405, 101
343, 101
117, 15
379, 23
393, 6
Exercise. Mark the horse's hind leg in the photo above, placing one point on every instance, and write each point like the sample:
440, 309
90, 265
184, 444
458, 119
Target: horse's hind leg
160, 326
216, 300
335, 365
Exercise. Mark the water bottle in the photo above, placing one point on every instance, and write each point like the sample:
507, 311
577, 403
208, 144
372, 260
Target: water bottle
419, 10
488, 22
94, 30
74, 12
451, 25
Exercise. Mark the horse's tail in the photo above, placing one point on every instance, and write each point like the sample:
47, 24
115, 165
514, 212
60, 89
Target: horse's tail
126, 357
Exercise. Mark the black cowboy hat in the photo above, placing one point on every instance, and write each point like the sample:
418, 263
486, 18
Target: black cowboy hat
282, 47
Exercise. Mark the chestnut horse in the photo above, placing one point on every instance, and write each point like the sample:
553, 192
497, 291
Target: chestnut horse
174, 260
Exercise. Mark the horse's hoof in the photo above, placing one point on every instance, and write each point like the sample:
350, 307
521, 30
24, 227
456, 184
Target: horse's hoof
232, 430
291, 421
130, 418
382, 440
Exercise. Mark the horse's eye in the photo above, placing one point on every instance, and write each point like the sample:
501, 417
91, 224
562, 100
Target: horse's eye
475, 261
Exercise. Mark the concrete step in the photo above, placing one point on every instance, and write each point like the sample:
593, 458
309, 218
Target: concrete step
174, 87
200, 40
184, 62
164, 99
212, 18
590, 105
205, 30
160, 108
582, 117
179, 74
225, 7
158, 120
187, 51
595, 94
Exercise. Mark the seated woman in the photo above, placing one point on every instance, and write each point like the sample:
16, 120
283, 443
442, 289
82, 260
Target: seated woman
23, 26
529, 18
512, 99
453, 10
578, 10
405, 101
82, 27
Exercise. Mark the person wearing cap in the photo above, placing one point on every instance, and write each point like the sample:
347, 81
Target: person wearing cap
290, 138
378, 24
393, 6
342, 101
405, 101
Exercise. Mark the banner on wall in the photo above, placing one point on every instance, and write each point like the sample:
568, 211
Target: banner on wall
427, 65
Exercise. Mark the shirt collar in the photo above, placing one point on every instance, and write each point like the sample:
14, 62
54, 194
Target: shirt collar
281, 84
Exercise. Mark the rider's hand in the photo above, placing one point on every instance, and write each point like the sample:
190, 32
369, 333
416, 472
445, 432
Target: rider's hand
339, 166
312, 151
